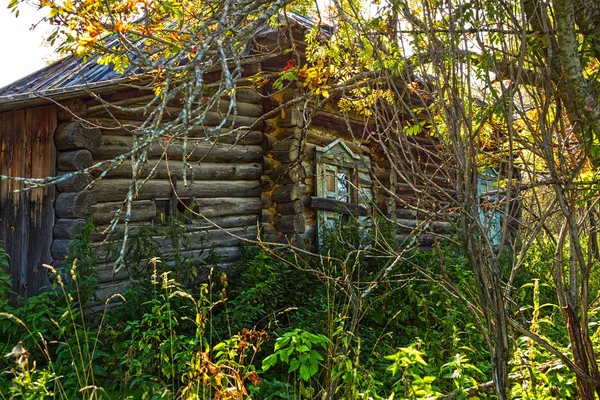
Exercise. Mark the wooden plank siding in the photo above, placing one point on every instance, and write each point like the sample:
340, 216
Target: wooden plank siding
27, 217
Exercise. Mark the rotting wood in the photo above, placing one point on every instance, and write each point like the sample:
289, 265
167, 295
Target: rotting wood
76, 160
74, 205
75, 135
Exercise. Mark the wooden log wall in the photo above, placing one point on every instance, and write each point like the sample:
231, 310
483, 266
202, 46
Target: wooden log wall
223, 175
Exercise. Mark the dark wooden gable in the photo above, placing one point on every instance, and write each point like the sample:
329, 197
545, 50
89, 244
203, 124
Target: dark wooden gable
27, 217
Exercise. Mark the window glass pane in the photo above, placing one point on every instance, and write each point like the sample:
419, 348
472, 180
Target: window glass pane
342, 179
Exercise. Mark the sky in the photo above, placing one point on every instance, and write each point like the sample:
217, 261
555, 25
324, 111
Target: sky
21, 49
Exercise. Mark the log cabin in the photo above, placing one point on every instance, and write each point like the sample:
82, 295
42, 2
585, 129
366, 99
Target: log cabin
276, 176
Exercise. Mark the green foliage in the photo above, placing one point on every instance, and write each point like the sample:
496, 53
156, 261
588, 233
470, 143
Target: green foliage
299, 350
414, 382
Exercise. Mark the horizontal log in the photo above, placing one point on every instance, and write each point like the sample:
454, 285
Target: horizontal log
74, 135
291, 224
201, 257
421, 240
225, 206
74, 205
267, 231
76, 160
160, 169
267, 216
266, 183
194, 224
208, 239
114, 146
107, 190
287, 173
285, 193
286, 150
435, 226
325, 204
266, 200
289, 208
143, 210
108, 289
210, 119
67, 228
75, 183
267, 164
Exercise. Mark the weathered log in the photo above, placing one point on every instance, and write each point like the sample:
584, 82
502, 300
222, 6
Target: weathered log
267, 164
267, 216
108, 289
74, 135
267, 231
224, 206
291, 223
218, 254
76, 160
286, 193
209, 239
290, 208
211, 118
266, 183
75, 183
325, 204
143, 210
106, 273
74, 205
67, 228
194, 224
286, 150
287, 173
422, 240
160, 169
266, 200
116, 189
268, 142
309, 169
114, 146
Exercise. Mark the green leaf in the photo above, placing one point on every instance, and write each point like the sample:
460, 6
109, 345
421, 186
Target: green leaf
305, 373
294, 364
269, 361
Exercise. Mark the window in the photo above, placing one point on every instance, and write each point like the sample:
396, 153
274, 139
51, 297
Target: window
488, 202
340, 190
173, 208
